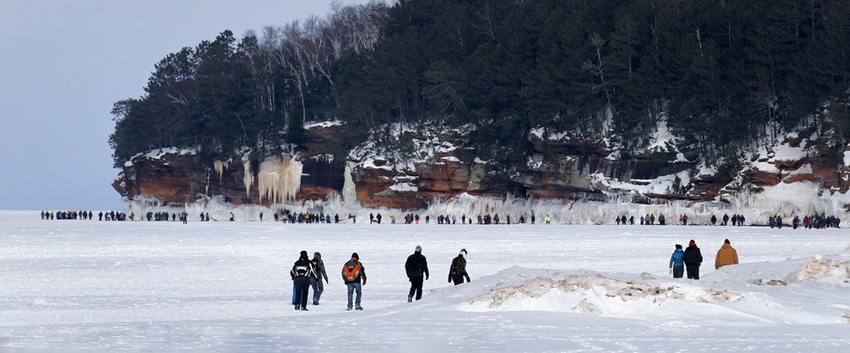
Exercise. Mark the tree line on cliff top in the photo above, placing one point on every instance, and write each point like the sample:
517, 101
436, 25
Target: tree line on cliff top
722, 73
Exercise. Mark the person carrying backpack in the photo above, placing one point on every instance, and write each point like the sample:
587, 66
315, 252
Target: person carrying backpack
415, 267
302, 273
316, 283
457, 271
354, 276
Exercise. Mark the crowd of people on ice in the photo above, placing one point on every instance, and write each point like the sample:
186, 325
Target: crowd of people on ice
83, 215
650, 219
809, 221
412, 218
309, 273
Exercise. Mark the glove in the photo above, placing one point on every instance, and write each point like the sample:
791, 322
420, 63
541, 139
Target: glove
326, 281
426, 277
670, 271
364, 281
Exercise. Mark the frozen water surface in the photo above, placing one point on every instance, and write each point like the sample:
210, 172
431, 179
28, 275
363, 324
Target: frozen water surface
225, 287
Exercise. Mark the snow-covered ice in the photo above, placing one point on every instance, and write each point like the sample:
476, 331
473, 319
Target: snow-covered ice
224, 287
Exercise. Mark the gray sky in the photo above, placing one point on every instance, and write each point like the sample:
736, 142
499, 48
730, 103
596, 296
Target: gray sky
64, 63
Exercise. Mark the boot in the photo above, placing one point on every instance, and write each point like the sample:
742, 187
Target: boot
409, 299
315, 302
297, 307
359, 308
304, 309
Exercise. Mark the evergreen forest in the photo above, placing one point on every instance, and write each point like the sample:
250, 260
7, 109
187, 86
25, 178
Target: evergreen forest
724, 74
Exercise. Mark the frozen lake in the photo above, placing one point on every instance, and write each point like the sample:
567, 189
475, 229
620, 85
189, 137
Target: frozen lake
225, 286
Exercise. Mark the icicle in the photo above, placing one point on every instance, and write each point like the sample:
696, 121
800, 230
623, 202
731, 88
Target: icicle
279, 179
248, 179
349, 189
220, 168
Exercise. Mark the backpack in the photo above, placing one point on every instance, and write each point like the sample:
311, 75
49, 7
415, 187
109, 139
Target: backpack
351, 272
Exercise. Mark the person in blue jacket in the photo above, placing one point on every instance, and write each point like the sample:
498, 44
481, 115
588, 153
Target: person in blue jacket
677, 262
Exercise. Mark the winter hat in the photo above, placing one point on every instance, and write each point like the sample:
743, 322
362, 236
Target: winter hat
304, 254
463, 252
692, 243
355, 256
418, 249
727, 241
678, 246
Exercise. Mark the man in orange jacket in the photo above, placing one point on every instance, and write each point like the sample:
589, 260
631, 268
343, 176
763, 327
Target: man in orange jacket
726, 255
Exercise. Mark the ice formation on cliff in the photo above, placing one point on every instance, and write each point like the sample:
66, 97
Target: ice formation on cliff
279, 179
220, 168
248, 179
349, 189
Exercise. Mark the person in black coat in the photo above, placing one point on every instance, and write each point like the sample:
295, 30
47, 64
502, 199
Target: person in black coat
457, 271
302, 274
416, 266
693, 258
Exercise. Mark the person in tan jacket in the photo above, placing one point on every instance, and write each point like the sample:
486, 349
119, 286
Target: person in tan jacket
726, 255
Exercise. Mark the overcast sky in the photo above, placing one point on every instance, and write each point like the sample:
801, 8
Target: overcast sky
64, 63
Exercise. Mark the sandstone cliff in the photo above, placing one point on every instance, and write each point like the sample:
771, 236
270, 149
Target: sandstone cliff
439, 168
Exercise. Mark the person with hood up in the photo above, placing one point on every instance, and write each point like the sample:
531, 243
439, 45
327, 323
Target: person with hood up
457, 272
354, 276
302, 273
416, 266
727, 255
316, 282
692, 259
677, 263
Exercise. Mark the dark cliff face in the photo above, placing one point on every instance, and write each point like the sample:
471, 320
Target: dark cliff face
563, 170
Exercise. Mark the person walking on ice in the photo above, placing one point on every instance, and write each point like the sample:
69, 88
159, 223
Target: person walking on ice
316, 283
727, 255
302, 273
416, 267
677, 263
693, 259
354, 276
457, 271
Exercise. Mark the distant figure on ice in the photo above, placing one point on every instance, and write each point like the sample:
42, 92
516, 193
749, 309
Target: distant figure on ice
692, 258
261, 216
632, 220
371, 218
316, 282
548, 219
725, 219
617, 220
661, 220
457, 271
713, 220
302, 273
232, 217
726, 255
416, 267
677, 263
378, 218
352, 273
